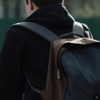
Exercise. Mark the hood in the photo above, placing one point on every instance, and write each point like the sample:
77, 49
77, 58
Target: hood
52, 16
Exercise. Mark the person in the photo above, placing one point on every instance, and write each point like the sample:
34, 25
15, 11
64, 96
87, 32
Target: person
25, 55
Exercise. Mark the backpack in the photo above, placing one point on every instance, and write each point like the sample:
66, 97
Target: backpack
74, 64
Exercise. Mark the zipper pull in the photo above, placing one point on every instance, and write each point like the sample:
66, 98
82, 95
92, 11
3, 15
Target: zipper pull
58, 74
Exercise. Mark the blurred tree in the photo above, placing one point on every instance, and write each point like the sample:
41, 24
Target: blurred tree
17, 8
83, 2
5, 10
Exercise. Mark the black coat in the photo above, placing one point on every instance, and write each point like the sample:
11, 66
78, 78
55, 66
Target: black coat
25, 55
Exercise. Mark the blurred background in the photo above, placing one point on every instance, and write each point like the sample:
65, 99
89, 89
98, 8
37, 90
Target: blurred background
85, 11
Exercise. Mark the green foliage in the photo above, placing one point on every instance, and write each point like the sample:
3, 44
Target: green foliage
84, 8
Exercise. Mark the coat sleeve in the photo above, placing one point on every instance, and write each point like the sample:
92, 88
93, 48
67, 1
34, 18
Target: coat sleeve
10, 69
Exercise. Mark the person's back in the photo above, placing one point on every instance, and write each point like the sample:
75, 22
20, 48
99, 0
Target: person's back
25, 54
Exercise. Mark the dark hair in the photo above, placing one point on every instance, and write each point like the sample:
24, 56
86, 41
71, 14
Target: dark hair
41, 3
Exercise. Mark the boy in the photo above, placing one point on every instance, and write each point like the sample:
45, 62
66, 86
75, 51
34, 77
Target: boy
25, 55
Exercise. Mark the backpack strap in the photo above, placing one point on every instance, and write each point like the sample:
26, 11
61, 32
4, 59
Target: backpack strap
78, 28
33, 88
39, 30
46, 33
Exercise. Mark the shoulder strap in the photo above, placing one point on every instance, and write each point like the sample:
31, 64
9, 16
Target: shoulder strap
46, 33
78, 28
39, 30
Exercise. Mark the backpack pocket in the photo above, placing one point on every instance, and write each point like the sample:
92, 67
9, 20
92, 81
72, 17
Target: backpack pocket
81, 65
